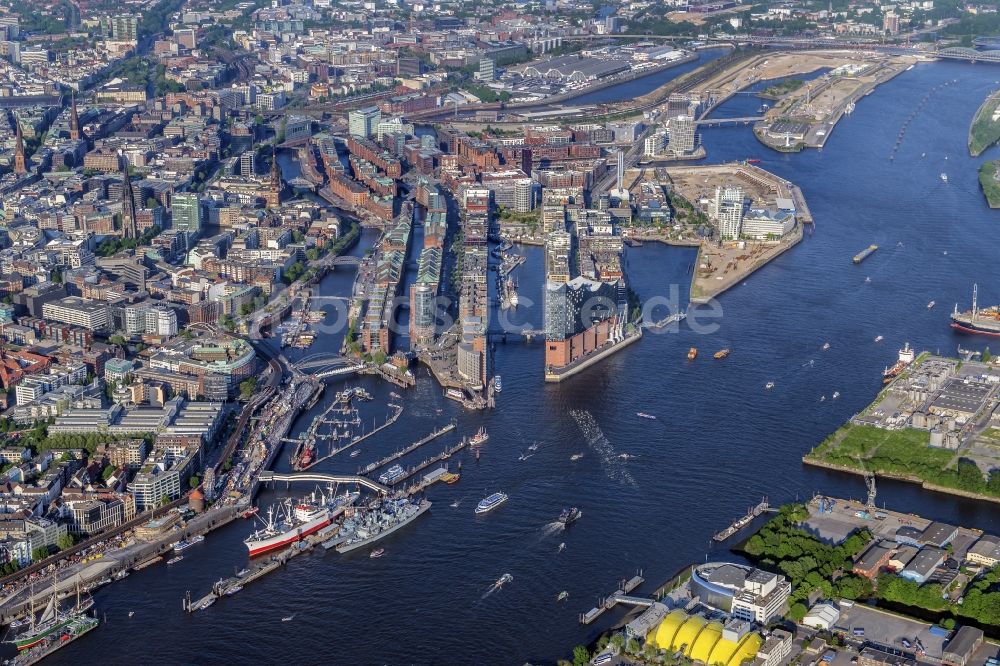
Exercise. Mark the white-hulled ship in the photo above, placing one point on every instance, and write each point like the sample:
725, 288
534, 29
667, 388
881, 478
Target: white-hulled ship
392, 475
487, 504
293, 524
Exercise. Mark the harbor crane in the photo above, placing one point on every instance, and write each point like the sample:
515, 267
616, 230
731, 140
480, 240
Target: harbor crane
872, 490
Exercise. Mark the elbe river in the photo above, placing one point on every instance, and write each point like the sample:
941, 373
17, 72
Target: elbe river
720, 441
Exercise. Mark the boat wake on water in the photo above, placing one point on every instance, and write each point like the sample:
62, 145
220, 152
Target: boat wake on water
550, 529
598, 442
504, 579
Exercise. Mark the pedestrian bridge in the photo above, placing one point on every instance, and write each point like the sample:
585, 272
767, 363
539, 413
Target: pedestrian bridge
319, 477
357, 366
628, 600
322, 360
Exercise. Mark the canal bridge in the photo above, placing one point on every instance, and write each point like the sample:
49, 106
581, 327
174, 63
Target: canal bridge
326, 365
709, 122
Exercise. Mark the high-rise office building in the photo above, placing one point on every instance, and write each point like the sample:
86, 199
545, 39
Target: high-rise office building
655, 144
186, 210
727, 209
125, 28
247, 163
487, 70
362, 122
682, 135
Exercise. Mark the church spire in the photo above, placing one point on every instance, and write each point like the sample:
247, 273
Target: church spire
275, 173
273, 196
128, 203
74, 120
19, 164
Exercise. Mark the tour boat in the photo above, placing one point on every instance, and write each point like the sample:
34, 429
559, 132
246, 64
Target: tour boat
487, 504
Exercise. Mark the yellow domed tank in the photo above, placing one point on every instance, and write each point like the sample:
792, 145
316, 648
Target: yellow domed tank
705, 642
747, 650
688, 634
665, 632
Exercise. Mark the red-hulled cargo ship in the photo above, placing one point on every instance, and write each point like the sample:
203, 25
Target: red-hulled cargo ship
296, 523
976, 321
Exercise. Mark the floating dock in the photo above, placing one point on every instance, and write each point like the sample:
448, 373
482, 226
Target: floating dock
444, 455
409, 449
618, 596
357, 440
229, 586
740, 523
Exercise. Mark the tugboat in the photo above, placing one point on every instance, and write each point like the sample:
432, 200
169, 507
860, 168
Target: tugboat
722, 353
481, 437
692, 353
570, 515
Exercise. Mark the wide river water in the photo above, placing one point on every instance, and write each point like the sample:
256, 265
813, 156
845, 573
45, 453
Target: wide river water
720, 442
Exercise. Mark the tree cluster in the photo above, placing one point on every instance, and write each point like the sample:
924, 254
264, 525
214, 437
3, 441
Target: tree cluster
808, 563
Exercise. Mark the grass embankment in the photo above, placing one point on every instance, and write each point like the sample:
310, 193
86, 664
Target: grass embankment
988, 183
905, 454
984, 131
781, 89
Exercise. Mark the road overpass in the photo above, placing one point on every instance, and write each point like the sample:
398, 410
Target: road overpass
709, 122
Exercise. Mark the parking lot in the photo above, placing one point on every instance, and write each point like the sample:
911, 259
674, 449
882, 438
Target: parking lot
886, 629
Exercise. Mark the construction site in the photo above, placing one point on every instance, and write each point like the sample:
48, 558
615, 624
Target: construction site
805, 117
723, 264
